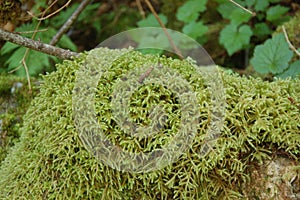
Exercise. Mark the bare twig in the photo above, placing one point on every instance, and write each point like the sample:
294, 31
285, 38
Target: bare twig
140, 7
69, 22
23, 61
51, 14
29, 32
145, 75
177, 51
289, 43
37, 45
245, 9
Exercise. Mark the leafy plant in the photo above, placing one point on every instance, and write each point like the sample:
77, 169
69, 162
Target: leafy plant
37, 62
12, 55
267, 17
274, 56
235, 38
189, 13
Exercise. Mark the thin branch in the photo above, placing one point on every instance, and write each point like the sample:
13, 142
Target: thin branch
140, 7
29, 32
37, 45
289, 43
23, 61
177, 51
245, 9
27, 73
51, 14
69, 22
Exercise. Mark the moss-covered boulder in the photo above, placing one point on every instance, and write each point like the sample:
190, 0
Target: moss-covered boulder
51, 162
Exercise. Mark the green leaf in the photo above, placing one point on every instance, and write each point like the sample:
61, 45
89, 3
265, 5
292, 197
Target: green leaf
190, 10
276, 12
272, 56
293, 70
234, 38
8, 47
239, 16
261, 29
261, 5
195, 29
36, 62
151, 21
225, 9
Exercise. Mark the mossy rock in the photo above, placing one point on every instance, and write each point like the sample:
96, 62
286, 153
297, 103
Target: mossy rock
51, 162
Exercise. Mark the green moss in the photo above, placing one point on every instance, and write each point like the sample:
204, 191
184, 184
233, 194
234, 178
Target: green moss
50, 161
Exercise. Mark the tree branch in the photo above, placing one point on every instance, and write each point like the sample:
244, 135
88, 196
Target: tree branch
69, 22
36, 45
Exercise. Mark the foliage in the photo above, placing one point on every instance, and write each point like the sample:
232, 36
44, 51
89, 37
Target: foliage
235, 38
86, 16
266, 18
37, 62
51, 162
151, 21
189, 13
274, 57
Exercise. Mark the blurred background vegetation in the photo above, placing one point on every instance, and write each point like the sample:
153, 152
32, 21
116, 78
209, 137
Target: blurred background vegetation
229, 33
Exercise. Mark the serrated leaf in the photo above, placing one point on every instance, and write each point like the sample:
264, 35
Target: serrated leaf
272, 56
234, 38
190, 10
275, 13
14, 60
8, 47
195, 29
37, 62
293, 70
151, 21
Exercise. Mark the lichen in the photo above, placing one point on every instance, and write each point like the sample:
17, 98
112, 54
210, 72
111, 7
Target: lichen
51, 162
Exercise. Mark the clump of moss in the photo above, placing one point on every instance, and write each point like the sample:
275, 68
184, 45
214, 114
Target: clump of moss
51, 162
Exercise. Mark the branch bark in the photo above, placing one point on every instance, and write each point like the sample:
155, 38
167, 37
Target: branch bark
37, 45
